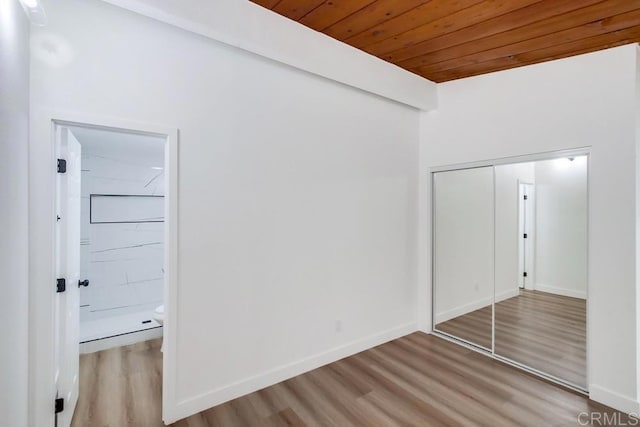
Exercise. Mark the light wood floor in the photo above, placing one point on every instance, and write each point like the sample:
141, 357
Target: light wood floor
541, 330
417, 380
121, 387
474, 327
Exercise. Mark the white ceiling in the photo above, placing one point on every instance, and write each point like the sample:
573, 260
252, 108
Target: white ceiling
142, 149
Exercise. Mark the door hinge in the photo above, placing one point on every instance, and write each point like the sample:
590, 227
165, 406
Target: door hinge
524, 274
62, 165
59, 405
524, 235
525, 197
61, 285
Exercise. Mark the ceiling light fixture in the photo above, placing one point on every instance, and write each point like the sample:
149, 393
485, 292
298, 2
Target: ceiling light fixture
35, 12
29, 3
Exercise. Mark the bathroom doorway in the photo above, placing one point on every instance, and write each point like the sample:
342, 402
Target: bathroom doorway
111, 254
121, 237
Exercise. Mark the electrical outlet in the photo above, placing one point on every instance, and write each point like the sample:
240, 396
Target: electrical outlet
338, 325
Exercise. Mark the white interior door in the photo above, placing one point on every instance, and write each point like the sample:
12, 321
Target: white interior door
526, 238
67, 302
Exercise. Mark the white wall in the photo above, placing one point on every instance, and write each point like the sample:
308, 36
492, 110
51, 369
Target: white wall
587, 100
637, 216
464, 209
507, 180
465, 201
561, 226
296, 194
123, 261
252, 28
14, 130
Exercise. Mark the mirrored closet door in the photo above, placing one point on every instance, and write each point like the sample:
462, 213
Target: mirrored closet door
463, 254
510, 262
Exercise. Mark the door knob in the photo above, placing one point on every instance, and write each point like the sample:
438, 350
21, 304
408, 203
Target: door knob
84, 283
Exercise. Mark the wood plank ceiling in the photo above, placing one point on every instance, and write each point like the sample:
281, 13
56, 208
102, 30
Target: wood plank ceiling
449, 39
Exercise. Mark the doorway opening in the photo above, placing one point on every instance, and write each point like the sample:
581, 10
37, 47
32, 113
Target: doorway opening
110, 247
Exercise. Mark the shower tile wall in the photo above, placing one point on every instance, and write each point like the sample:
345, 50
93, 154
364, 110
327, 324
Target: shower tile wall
123, 261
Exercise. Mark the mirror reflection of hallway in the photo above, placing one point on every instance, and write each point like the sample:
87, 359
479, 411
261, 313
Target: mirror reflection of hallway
510, 275
544, 325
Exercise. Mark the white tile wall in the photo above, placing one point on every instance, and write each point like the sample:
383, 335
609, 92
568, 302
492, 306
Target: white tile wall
122, 261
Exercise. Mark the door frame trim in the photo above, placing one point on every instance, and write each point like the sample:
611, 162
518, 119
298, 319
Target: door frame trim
525, 158
42, 195
530, 271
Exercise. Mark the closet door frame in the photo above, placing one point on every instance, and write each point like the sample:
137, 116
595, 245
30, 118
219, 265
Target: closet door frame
551, 155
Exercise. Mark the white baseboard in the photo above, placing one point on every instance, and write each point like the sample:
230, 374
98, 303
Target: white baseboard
474, 305
561, 291
615, 400
215, 397
507, 294
120, 340
452, 313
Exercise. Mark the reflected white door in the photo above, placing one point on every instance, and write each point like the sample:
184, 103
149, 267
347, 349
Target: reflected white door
67, 302
526, 238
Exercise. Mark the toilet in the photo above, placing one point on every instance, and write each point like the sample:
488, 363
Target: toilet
158, 316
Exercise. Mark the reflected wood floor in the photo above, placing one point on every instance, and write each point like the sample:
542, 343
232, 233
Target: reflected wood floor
417, 380
474, 327
545, 331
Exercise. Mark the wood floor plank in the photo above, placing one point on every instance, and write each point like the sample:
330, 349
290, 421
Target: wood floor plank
416, 380
475, 327
541, 330
286, 417
402, 370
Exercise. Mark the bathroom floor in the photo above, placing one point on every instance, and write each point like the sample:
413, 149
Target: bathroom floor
116, 325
